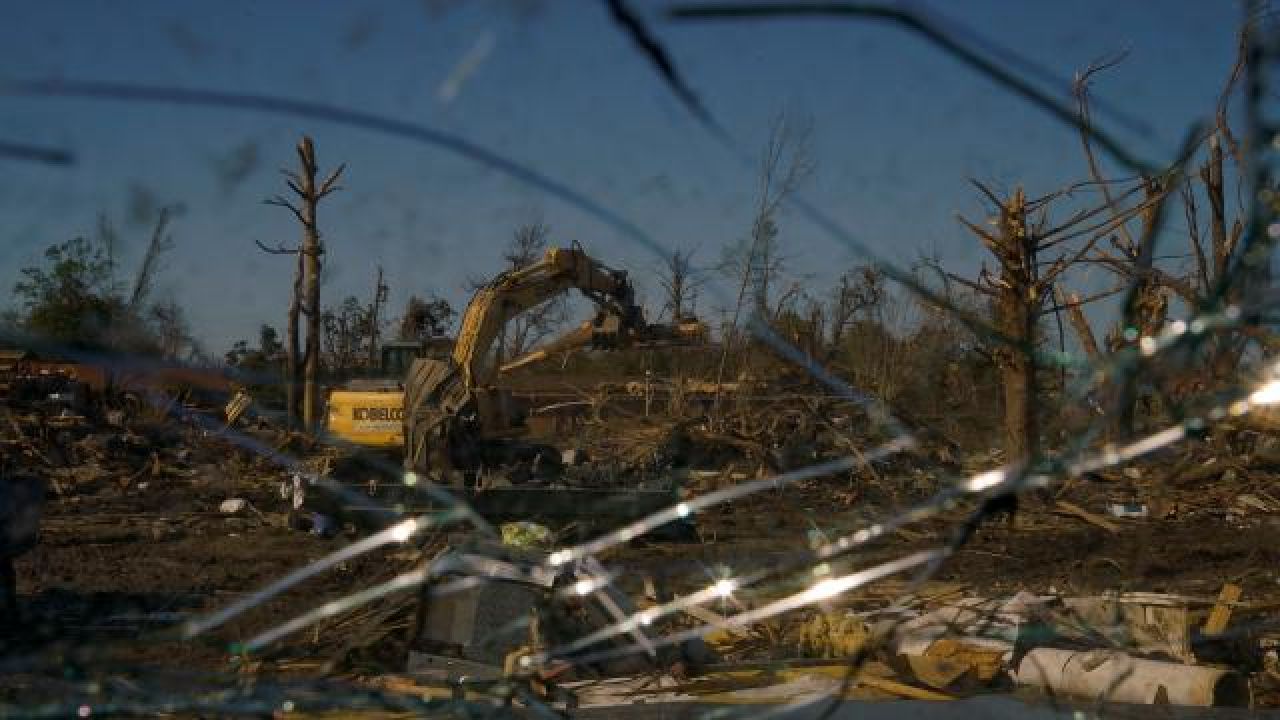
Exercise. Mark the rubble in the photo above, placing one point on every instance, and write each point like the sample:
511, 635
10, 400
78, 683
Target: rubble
188, 490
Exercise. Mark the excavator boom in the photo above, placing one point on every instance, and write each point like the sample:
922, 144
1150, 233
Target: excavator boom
520, 290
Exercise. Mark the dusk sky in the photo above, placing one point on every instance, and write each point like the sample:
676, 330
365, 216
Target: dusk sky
898, 128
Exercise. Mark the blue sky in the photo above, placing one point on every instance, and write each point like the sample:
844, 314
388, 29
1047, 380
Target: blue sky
898, 128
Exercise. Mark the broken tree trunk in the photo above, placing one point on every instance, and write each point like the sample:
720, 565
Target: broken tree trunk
293, 349
306, 287
1016, 302
1018, 377
311, 250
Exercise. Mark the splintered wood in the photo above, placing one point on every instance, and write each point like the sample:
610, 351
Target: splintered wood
1221, 613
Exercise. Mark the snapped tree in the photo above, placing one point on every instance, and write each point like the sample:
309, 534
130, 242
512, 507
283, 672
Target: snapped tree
1019, 237
305, 298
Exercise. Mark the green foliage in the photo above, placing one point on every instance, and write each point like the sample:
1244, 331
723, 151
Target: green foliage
73, 299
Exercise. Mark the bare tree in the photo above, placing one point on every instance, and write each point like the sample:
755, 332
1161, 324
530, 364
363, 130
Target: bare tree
858, 291
1149, 306
380, 290
679, 282
160, 327
348, 337
1018, 294
306, 284
784, 165
1212, 244
758, 264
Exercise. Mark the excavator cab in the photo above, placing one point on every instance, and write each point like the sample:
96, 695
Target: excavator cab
396, 357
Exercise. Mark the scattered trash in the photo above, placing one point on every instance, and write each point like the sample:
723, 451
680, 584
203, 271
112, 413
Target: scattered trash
233, 506
294, 490
323, 525
525, 535
1128, 510
955, 663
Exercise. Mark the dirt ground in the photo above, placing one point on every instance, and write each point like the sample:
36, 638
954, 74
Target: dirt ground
124, 559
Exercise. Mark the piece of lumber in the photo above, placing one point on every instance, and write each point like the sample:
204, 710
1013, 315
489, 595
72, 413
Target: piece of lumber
710, 617
938, 672
902, 689
722, 680
935, 591
1221, 613
1074, 510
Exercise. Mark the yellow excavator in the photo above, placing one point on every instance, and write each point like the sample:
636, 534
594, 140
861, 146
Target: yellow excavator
456, 416
443, 407
456, 426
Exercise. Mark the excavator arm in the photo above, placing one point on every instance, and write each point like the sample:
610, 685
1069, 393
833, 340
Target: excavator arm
450, 407
520, 290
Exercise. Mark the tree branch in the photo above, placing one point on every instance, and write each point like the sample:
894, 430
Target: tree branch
987, 192
328, 185
1081, 90
279, 201
278, 250
1180, 286
1193, 229
968, 283
1059, 267
1079, 323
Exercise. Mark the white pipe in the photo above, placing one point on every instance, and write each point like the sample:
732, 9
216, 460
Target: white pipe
1106, 675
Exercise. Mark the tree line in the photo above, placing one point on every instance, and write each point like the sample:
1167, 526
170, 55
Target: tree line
1016, 329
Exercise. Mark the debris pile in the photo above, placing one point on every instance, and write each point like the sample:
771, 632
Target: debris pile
1126, 648
1113, 589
